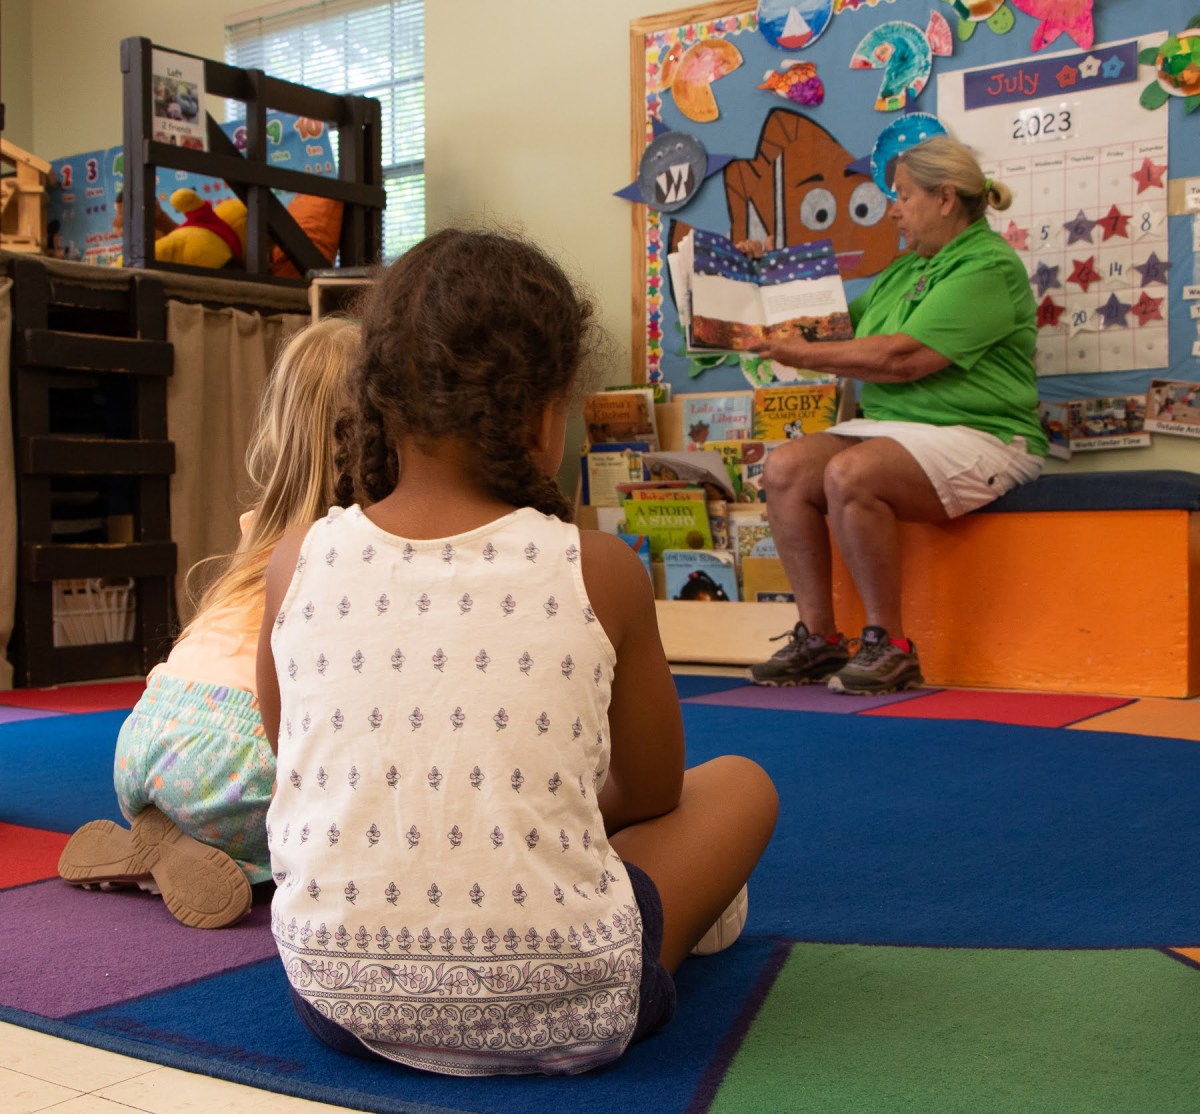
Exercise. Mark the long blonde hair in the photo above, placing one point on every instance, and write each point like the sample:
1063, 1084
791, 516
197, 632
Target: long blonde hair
296, 460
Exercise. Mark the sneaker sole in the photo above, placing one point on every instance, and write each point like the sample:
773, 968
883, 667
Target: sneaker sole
792, 682
728, 927
201, 885
903, 682
101, 854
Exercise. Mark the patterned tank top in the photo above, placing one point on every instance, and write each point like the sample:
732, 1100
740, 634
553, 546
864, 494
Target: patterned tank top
446, 891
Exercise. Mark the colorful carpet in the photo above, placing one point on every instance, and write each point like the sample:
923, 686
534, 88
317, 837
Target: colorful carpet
975, 901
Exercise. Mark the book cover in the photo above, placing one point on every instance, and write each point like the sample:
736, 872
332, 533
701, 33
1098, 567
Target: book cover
698, 466
764, 581
746, 461
614, 416
607, 464
640, 544
661, 389
748, 528
699, 574
1173, 406
736, 303
716, 417
784, 411
669, 523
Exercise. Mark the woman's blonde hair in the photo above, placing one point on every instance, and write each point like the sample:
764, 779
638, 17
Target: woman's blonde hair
296, 460
943, 161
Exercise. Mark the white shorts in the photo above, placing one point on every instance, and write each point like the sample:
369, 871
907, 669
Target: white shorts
968, 468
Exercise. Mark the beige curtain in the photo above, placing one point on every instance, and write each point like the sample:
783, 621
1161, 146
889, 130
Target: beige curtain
222, 360
8, 491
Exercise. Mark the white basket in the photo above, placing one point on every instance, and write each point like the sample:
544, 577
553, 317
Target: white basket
90, 611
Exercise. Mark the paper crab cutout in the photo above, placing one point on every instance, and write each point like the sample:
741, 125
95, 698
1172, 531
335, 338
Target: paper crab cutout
1177, 69
905, 53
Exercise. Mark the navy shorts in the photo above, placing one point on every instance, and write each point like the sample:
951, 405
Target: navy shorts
656, 997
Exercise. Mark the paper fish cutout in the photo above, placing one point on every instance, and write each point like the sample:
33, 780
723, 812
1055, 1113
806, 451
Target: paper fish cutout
672, 169
690, 73
1074, 17
1177, 68
901, 134
905, 53
797, 82
793, 24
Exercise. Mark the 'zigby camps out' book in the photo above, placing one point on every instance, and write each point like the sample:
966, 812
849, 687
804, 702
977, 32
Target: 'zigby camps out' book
727, 300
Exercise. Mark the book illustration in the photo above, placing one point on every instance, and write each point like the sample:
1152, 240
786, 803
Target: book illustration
698, 466
1173, 406
692, 574
730, 301
716, 417
669, 523
607, 464
1095, 424
615, 416
746, 462
786, 411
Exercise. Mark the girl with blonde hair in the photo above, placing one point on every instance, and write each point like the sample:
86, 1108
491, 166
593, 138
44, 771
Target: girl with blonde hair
193, 770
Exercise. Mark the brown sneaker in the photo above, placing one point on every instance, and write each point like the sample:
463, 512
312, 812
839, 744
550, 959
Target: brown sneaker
805, 658
201, 885
100, 855
878, 666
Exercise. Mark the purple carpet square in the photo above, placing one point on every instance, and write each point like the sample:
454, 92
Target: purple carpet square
132, 946
17, 715
804, 698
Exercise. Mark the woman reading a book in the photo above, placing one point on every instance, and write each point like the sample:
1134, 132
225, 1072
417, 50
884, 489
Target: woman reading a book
943, 345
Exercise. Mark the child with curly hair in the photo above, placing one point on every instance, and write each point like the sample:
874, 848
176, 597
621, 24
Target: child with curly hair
488, 853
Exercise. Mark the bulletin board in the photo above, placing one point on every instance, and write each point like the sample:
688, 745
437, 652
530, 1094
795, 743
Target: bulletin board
770, 145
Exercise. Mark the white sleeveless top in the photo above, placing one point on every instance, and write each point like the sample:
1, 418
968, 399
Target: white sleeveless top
446, 891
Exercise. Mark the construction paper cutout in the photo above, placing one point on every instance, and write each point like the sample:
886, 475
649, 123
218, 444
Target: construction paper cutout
909, 130
1114, 312
1084, 273
991, 13
840, 6
1153, 270
1148, 175
1070, 17
793, 24
1176, 65
1147, 309
1114, 223
1017, 237
633, 191
1048, 312
690, 75
1079, 228
905, 53
795, 81
1046, 278
803, 185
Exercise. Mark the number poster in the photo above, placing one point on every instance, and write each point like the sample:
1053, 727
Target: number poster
1088, 169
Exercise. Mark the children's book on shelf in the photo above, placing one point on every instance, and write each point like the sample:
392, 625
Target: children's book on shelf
699, 467
699, 574
670, 521
745, 461
729, 301
1095, 424
640, 544
764, 581
607, 464
788, 410
615, 416
716, 417
661, 389
748, 529
1173, 406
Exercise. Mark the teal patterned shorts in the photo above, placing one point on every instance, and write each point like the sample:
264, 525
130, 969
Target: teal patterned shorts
199, 753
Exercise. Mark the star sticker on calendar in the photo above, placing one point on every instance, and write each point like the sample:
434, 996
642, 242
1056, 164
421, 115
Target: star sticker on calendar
1149, 174
1153, 270
1089, 67
1080, 228
1066, 76
1045, 278
1114, 223
1048, 312
1114, 312
1084, 273
1112, 67
1017, 237
1147, 309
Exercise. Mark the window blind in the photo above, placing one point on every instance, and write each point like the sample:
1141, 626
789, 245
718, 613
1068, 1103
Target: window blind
363, 47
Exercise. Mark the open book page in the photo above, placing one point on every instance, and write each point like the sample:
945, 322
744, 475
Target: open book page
736, 303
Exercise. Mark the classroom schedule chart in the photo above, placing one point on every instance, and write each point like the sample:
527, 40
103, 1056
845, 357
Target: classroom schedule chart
1088, 169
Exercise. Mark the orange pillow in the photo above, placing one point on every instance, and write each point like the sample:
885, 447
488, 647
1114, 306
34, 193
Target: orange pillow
320, 218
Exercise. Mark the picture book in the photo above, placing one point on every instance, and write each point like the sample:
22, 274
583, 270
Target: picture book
1095, 424
749, 533
716, 417
745, 461
783, 411
764, 581
606, 464
700, 466
661, 389
669, 523
614, 416
1173, 406
640, 544
699, 574
728, 300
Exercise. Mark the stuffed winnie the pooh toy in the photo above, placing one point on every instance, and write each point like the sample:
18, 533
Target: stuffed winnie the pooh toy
210, 235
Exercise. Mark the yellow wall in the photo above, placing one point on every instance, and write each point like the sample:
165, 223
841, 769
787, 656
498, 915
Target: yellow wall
527, 125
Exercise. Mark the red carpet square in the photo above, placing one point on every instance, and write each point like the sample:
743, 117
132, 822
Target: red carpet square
28, 854
1028, 709
106, 697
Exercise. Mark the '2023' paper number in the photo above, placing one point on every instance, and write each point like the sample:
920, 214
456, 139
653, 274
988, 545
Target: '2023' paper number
1037, 125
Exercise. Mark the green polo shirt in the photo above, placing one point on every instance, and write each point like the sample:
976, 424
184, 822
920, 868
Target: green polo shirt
972, 303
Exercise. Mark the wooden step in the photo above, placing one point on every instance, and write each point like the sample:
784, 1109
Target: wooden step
57, 561
50, 350
94, 456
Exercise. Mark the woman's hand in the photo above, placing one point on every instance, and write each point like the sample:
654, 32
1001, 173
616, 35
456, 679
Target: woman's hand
753, 248
792, 351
